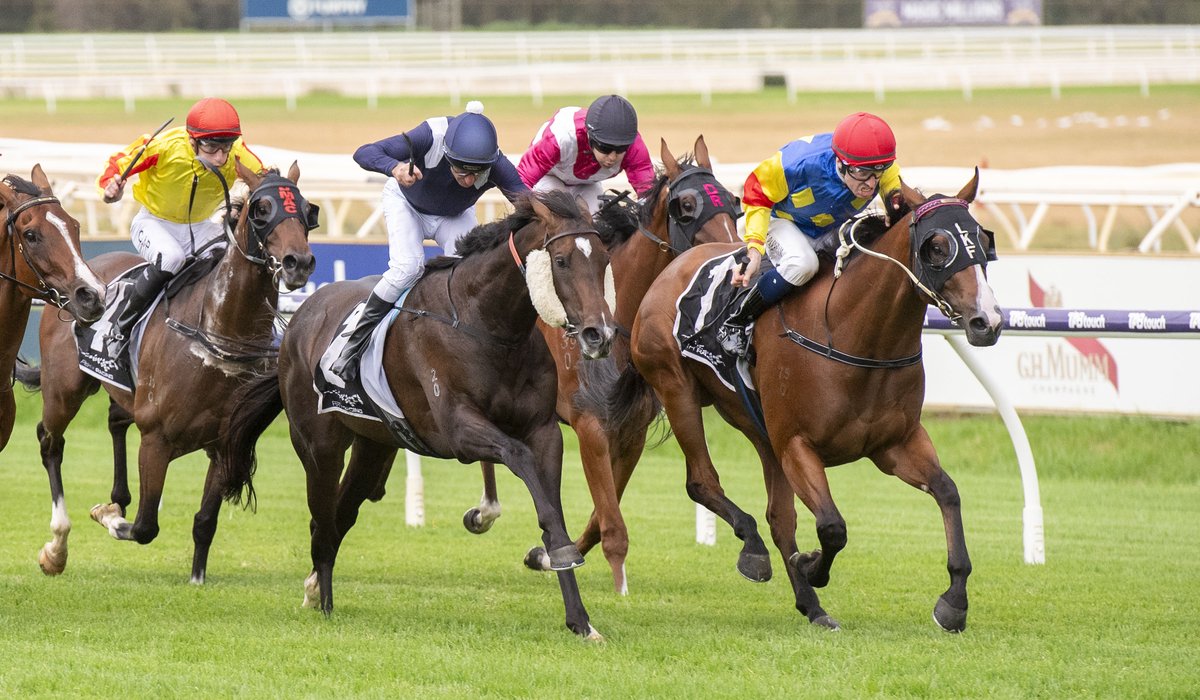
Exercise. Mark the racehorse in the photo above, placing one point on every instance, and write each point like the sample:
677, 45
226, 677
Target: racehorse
857, 394
39, 259
197, 346
464, 367
607, 403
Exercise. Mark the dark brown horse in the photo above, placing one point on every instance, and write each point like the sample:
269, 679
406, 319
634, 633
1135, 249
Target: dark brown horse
196, 348
39, 259
856, 391
465, 368
687, 206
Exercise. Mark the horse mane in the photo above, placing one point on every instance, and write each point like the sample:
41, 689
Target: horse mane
487, 236
617, 219
22, 185
870, 229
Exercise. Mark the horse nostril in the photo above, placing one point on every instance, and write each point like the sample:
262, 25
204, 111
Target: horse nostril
591, 336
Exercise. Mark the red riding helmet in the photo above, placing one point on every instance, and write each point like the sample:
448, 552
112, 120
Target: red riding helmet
213, 118
864, 139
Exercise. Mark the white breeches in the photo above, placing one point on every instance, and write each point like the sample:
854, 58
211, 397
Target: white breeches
789, 249
407, 230
589, 191
168, 244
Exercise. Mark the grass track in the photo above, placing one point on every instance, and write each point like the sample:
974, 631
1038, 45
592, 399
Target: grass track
439, 613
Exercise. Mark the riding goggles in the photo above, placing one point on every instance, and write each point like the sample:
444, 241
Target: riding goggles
862, 173
465, 169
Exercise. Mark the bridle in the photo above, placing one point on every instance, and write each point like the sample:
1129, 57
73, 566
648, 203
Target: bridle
282, 200
43, 290
929, 277
711, 199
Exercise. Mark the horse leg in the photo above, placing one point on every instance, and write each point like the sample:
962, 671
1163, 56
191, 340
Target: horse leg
916, 464
204, 525
480, 518
8, 415
781, 517
806, 473
60, 404
703, 485
119, 421
369, 462
322, 453
153, 458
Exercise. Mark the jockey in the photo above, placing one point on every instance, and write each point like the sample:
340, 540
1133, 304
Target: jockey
438, 170
578, 149
179, 189
803, 191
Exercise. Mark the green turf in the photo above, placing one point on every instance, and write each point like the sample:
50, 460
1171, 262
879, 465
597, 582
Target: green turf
439, 613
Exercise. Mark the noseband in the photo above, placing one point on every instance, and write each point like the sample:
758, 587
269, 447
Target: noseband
44, 290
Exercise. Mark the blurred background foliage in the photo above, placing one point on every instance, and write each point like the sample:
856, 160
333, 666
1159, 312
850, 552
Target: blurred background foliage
201, 15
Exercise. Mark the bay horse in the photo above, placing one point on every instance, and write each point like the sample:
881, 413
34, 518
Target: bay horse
686, 206
196, 347
39, 259
858, 394
470, 376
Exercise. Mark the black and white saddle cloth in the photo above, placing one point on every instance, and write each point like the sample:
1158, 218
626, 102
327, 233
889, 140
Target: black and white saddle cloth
114, 363
707, 301
369, 397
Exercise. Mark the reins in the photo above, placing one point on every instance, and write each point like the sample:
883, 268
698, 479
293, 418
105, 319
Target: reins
848, 242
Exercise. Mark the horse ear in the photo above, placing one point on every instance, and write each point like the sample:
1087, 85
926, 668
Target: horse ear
39, 178
670, 165
969, 190
701, 151
541, 210
582, 204
911, 196
251, 178
294, 172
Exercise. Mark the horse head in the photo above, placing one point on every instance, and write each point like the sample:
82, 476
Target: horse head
566, 250
949, 253
693, 206
45, 238
273, 229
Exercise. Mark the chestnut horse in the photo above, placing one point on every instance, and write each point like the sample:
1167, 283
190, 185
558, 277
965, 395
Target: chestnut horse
857, 394
39, 259
197, 346
465, 368
686, 206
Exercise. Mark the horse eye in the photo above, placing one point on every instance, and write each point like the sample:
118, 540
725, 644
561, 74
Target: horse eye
30, 235
561, 261
936, 250
689, 205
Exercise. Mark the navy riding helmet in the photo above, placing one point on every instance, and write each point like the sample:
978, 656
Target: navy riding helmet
612, 120
471, 142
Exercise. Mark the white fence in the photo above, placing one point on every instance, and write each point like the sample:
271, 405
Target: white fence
375, 64
1165, 199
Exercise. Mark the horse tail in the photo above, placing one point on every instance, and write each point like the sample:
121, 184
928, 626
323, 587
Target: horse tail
255, 406
618, 399
29, 376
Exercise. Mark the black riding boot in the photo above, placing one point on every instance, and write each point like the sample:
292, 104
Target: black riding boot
136, 293
734, 333
346, 365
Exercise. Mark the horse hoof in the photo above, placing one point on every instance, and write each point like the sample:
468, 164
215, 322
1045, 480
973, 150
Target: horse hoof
537, 559
565, 557
755, 567
948, 617
50, 564
312, 592
592, 636
474, 522
828, 623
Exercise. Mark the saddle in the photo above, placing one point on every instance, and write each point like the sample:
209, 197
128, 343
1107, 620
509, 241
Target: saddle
121, 371
369, 397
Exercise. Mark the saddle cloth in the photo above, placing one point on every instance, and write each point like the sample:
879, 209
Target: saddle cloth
369, 397
94, 358
706, 302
